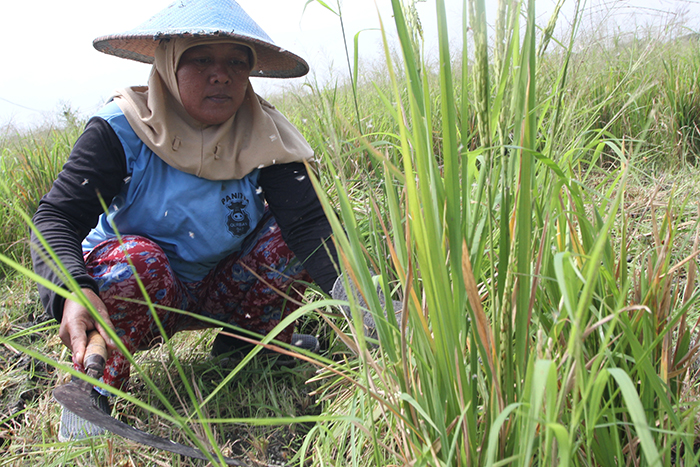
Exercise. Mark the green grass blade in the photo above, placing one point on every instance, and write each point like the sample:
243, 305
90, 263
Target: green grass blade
636, 411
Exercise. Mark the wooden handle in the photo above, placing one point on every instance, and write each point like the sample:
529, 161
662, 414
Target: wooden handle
95, 353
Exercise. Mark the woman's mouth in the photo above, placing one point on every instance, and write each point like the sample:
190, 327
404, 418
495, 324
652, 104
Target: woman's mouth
219, 98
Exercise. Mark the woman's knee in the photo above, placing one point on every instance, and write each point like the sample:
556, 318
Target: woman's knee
113, 262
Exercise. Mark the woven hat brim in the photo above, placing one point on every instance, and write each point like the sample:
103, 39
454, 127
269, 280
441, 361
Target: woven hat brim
272, 61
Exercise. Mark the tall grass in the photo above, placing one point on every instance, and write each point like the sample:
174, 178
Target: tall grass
526, 337
29, 164
682, 91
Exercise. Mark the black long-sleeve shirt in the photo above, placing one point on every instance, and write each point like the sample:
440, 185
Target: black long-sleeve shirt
71, 209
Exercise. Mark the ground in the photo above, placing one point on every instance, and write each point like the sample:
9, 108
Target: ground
29, 416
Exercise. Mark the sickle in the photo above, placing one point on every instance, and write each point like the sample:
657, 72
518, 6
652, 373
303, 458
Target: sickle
75, 396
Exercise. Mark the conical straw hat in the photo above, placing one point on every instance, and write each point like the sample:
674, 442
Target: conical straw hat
197, 18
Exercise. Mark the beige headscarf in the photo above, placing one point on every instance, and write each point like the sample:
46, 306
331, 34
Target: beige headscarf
255, 137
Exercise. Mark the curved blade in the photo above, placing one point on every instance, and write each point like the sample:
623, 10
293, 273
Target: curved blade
76, 399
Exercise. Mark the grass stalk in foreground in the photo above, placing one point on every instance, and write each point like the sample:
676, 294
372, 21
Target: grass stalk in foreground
523, 336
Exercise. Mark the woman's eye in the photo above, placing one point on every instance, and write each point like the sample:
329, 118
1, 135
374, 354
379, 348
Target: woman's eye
238, 63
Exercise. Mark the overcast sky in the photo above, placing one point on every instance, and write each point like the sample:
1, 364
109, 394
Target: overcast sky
48, 58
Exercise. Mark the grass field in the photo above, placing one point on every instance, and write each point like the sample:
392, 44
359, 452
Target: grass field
532, 201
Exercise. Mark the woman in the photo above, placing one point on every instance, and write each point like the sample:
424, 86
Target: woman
205, 183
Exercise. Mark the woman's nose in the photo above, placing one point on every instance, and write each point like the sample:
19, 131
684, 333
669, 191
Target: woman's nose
220, 74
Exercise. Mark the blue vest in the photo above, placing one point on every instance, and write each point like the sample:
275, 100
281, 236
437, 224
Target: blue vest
197, 222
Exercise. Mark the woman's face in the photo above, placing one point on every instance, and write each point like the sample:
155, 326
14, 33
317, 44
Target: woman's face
212, 80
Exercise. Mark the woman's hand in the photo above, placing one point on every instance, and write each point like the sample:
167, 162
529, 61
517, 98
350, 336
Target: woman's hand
76, 323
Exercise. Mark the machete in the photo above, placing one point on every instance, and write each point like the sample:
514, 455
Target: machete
75, 396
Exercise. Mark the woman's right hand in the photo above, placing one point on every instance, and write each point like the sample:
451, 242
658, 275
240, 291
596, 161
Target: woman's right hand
77, 322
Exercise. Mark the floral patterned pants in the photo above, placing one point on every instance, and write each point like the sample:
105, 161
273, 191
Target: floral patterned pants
230, 293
